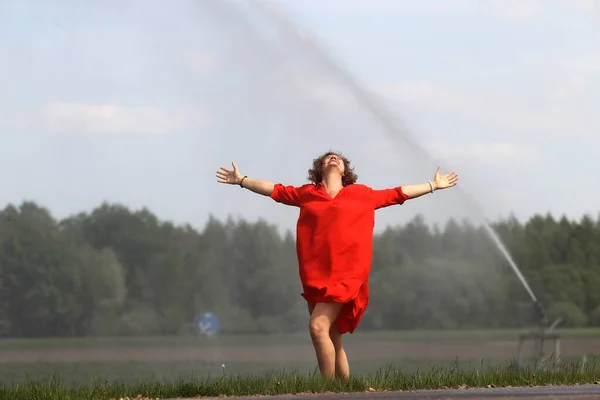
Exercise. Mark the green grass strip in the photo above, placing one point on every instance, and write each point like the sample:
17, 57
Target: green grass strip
294, 383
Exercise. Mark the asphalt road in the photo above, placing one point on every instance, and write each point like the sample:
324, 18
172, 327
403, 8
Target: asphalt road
579, 392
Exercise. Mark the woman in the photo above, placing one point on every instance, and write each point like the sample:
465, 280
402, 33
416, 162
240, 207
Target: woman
334, 244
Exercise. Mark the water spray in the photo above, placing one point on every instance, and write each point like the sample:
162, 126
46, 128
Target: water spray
394, 129
391, 126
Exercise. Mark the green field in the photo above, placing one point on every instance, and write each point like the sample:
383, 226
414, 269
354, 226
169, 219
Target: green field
190, 366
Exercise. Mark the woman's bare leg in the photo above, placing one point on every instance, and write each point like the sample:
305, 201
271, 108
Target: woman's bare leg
322, 318
342, 368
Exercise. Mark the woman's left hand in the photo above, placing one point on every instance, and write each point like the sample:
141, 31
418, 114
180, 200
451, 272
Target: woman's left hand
444, 181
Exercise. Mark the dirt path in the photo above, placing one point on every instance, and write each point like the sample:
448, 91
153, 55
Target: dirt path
427, 350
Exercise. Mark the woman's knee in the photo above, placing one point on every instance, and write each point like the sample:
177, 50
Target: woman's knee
323, 316
319, 328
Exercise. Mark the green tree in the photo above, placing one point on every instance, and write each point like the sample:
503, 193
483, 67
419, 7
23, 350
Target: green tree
104, 291
42, 279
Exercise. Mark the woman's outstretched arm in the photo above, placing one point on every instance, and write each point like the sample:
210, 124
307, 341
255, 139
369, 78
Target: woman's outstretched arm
398, 195
439, 182
234, 177
418, 190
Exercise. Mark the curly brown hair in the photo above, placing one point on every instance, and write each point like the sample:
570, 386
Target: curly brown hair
315, 174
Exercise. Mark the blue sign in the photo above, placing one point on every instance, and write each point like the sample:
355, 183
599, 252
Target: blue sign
208, 324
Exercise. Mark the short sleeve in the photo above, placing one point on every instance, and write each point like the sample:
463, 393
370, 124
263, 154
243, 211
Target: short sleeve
287, 195
388, 197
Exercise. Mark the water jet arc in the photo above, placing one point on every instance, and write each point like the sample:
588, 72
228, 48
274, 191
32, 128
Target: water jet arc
391, 127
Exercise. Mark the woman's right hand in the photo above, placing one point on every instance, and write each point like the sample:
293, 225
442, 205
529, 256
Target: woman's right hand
232, 177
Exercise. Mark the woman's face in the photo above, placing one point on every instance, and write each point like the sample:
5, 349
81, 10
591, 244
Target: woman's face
334, 161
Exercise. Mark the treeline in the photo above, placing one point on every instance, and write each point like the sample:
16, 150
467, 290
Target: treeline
120, 272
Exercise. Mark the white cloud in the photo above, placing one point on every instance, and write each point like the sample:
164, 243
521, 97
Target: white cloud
588, 63
107, 119
512, 112
386, 6
524, 10
484, 152
586, 6
570, 76
514, 9
197, 62
571, 87
517, 10
448, 153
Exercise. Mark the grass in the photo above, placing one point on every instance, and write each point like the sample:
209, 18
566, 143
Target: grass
127, 372
283, 339
190, 378
80, 372
281, 382
76, 373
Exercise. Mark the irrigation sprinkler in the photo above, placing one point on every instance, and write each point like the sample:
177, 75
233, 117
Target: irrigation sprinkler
540, 335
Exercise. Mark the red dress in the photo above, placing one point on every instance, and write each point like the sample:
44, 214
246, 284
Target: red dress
334, 242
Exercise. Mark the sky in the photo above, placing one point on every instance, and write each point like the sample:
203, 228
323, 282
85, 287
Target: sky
139, 103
